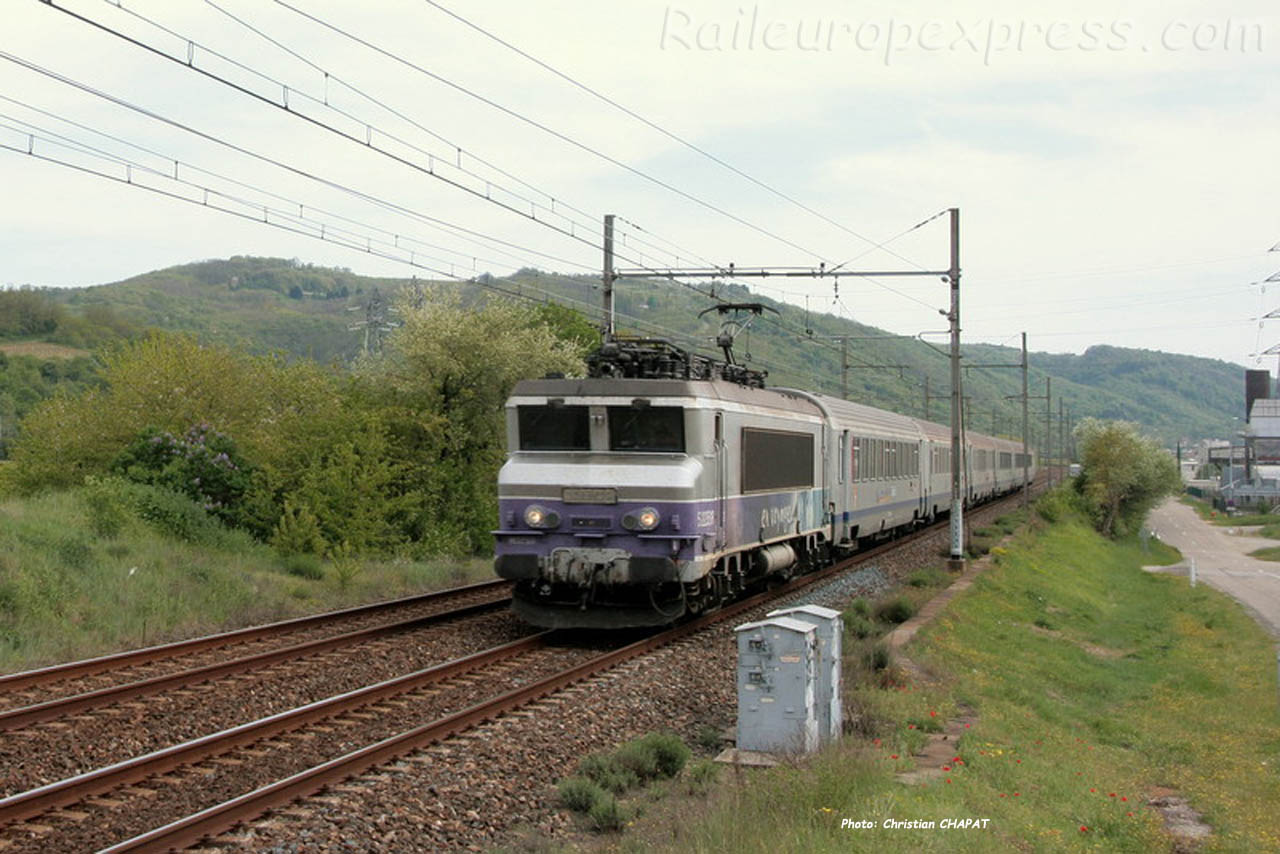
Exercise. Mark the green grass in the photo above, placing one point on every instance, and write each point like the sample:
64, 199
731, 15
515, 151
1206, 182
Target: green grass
1270, 521
67, 592
1244, 521
1269, 553
1088, 677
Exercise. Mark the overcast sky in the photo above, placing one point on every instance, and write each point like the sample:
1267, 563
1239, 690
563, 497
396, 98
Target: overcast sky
1115, 163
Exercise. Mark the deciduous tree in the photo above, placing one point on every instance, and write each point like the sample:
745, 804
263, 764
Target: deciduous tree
1124, 474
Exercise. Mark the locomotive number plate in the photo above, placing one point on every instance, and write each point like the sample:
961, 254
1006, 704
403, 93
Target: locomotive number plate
583, 495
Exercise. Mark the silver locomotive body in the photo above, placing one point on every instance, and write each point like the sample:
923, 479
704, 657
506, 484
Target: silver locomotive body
636, 501
633, 502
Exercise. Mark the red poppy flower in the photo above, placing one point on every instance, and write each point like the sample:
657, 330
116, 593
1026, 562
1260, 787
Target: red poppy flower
933, 714
1112, 795
1084, 829
948, 779
946, 767
894, 756
1123, 798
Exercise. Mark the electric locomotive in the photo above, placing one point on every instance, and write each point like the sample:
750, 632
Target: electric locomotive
666, 483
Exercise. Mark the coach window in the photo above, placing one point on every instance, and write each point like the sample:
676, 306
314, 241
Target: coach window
646, 428
553, 428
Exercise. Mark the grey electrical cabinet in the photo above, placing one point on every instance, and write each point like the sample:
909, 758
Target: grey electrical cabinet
777, 708
827, 692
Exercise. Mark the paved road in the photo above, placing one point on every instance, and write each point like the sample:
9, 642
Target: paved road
1222, 560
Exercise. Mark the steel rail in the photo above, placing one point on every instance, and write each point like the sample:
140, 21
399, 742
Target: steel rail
37, 801
88, 666
51, 709
217, 819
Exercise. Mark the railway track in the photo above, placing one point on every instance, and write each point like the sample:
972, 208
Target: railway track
32, 687
438, 702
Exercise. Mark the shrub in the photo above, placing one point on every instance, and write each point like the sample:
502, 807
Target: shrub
606, 814
107, 515
345, 566
861, 607
166, 511
304, 566
637, 758
202, 464
859, 626
669, 752
876, 657
172, 514
1055, 505
895, 610
980, 544
297, 532
608, 773
580, 794
708, 738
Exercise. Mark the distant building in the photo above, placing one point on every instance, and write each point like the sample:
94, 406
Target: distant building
1251, 468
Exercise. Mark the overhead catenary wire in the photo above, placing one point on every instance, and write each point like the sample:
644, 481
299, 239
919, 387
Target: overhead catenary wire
153, 115
239, 149
391, 240
395, 236
433, 160
547, 129
331, 76
672, 135
284, 220
368, 142
430, 168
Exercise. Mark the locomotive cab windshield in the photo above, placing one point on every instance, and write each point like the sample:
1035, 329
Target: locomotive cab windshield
557, 426
554, 428
646, 428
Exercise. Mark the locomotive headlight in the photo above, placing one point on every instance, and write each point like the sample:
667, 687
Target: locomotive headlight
537, 516
645, 519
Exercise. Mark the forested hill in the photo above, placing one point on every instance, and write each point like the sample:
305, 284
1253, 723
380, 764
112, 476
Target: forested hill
329, 315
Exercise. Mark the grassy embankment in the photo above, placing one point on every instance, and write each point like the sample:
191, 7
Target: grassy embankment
68, 590
1095, 685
